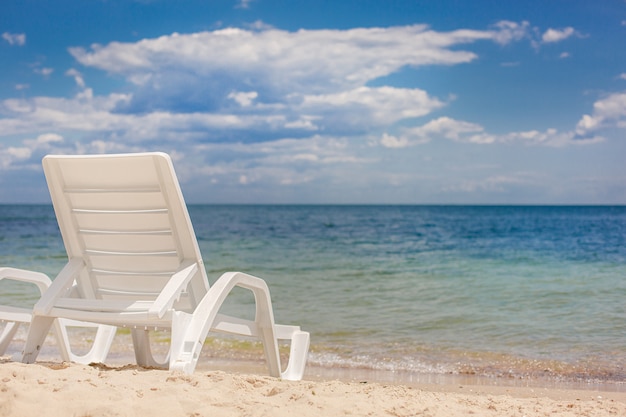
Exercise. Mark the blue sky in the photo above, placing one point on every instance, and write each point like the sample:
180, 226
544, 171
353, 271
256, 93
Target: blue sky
291, 101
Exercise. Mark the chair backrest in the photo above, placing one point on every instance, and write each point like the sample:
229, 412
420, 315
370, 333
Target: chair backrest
125, 216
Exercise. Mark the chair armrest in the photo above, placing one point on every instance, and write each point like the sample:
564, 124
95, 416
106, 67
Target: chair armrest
41, 280
173, 289
59, 287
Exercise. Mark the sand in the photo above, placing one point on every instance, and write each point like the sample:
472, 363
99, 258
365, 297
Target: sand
60, 389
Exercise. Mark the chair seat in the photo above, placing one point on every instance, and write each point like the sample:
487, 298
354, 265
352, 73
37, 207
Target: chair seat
17, 314
119, 318
108, 306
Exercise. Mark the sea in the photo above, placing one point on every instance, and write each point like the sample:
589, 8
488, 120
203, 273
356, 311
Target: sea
506, 294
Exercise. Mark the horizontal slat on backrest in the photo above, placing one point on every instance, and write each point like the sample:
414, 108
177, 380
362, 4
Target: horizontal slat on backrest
112, 200
129, 221
137, 276
183, 304
117, 285
129, 242
135, 264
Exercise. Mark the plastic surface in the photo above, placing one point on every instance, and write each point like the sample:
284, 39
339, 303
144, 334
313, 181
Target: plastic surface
16, 316
134, 261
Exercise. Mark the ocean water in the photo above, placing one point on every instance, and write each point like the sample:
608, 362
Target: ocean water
511, 292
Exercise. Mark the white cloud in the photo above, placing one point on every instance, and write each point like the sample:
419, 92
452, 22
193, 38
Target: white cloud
564, 55
587, 123
13, 155
368, 106
557, 35
467, 132
18, 39
317, 150
243, 99
304, 122
82, 112
622, 76
48, 138
283, 162
549, 137
389, 141
91, 114
78, 77
244, 4
609, 112
443, 127
494, 183
44, 71
450, 129
19, 153
282, 62
507, 31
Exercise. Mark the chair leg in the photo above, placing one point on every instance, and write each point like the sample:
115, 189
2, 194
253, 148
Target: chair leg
63, 341
189, 333
270, 343
99, 349
101, 345
37, 332
143, 353
297, 356
184, 355
264, 319
10, 329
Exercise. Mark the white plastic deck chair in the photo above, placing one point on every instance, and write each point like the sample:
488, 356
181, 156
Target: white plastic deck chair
13, 317
136, 262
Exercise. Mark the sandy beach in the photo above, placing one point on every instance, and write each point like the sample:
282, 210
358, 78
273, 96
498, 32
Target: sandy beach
60, 389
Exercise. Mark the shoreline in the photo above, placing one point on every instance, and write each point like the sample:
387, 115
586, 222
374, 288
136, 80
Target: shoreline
59, 389
234, 386
216, 357
416, 379
318, 373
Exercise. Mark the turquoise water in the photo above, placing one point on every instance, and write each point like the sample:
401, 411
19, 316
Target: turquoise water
514, 292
